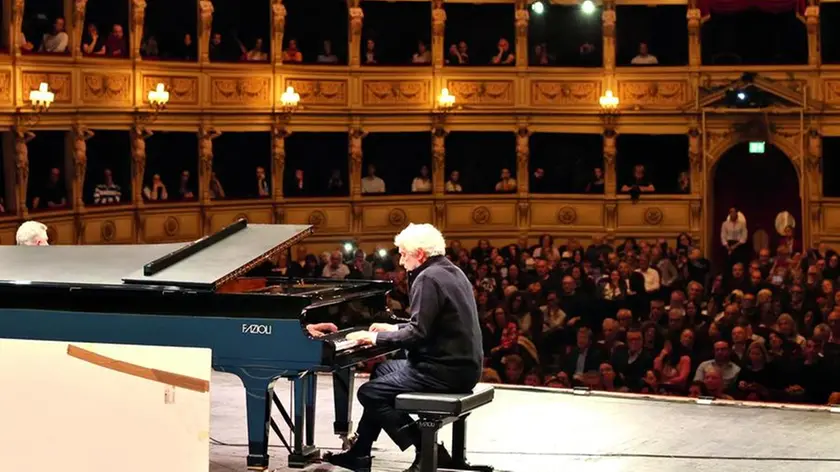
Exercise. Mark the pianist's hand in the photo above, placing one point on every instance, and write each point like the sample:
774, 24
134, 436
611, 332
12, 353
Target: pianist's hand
382, 327
318, 330
361, 337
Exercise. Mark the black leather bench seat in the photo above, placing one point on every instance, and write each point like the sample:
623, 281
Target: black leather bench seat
438, 409
445, 404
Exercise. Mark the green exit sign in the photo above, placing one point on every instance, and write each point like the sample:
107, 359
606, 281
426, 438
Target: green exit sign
757, 147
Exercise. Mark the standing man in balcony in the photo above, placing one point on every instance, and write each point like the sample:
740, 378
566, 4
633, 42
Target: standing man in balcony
443, 343
733, 236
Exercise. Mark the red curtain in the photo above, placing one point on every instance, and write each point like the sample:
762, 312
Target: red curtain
735, 6
761, 186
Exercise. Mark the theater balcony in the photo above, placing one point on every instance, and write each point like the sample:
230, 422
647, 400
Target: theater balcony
176, 120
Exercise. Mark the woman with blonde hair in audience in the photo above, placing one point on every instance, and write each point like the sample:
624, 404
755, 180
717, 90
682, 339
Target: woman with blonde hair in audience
546, 250
786, 326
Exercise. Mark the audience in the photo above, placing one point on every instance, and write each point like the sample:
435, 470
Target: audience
565, 315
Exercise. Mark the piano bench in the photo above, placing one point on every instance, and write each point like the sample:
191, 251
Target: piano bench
436, 410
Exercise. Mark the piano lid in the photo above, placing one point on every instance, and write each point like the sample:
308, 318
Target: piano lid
213, 260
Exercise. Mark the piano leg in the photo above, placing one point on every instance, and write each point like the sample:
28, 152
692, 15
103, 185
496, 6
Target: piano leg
311, 398
258, 395
343, 381
301, 454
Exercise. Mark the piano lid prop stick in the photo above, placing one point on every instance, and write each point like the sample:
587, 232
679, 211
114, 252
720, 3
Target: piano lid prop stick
179, 255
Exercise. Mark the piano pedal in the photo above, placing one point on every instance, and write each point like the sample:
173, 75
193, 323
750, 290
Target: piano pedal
347, 440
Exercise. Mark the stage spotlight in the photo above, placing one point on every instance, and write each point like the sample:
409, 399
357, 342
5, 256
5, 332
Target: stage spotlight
349, 247
588, 7
538, 8
383, 253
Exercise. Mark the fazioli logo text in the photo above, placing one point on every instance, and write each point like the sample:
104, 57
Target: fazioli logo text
256, 329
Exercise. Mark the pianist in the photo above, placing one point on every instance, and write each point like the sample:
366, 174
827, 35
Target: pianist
442, 340
32, 233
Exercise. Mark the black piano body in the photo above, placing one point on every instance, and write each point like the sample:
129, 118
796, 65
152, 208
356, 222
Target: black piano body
199, 294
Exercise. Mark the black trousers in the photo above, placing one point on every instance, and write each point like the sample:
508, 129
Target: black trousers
377, 396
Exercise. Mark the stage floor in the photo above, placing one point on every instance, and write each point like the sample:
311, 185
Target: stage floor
536, 431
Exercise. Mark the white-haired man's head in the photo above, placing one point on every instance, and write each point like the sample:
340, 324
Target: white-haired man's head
417, 243
32, 233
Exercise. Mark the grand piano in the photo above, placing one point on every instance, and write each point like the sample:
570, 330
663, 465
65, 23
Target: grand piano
201, 294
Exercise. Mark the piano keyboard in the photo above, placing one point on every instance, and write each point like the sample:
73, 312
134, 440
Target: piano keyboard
340, 341
345, 344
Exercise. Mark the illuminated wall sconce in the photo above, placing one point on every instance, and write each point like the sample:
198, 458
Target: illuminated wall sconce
158, 98
446, 101
289, 100
42, 98
608, 101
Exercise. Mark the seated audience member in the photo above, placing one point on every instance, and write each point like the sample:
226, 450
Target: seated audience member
327, 56
453, 185
423, 182
108, 192
372, 183
336, 269
115, 45
507, 184
644, 58
93, 44
640, 184
55, 41
54, 194
292, 55
156, 190
505, 56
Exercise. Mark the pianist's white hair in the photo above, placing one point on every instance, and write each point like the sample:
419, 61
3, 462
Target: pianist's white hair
32, 233
424, 237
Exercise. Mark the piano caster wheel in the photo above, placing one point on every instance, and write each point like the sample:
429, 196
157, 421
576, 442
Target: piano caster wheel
347, 441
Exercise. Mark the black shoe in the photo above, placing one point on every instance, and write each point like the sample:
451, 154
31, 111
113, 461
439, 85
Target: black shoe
443, 458
349, 461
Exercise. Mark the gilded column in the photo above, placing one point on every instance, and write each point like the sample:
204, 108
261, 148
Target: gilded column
813, 179
78, 27
355, 152
812, 23
139, 134
278, 160
22, 138
695, 21
356, 17
205, 29
523, 154
356, 135
138, 21
17, 25
521, 19
695, 160
610, 180
438, 33
278, 24
608, 31
206, 135
80, 136
523, 174
439, 134
697, 179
